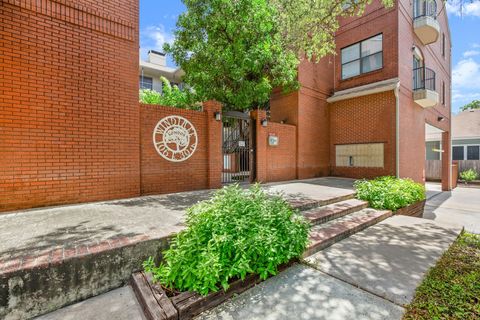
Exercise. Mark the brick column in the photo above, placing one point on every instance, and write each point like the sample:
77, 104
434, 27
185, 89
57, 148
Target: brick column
446, 162
214, 142
260, 145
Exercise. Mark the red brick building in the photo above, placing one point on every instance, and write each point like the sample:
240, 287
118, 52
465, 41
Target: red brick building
72, 130
364, 112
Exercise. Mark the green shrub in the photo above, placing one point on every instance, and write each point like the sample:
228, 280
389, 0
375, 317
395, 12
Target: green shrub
237, 232
389, 193
170, 96
468, 175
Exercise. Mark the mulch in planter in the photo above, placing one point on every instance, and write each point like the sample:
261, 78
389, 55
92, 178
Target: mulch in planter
162, 304
414, 210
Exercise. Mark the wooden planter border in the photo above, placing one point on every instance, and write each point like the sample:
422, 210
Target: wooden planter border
157, 306
414, 210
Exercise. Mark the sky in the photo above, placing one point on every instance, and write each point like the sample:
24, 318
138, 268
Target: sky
158, 19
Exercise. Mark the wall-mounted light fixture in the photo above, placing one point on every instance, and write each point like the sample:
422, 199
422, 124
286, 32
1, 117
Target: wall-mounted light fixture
264, 122
440, 119
217, 115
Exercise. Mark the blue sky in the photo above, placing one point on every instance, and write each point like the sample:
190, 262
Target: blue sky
158, 18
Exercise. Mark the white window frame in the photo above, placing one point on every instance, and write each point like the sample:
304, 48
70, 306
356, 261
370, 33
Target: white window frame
465, 150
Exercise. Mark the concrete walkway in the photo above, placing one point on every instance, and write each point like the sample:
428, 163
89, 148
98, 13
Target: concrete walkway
460, 207
119, 304
34, 232
370, 275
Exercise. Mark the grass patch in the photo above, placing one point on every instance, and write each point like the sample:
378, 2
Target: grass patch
451, 289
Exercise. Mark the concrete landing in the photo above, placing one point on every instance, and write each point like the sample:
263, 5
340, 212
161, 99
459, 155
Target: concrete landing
459, 207
389, 259
304, 293
119, 304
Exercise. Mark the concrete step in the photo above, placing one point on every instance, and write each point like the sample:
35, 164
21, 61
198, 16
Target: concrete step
324, 235
307, 204
334, 211
44, 281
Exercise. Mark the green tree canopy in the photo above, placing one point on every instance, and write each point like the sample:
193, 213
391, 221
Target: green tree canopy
238, 51
475, 104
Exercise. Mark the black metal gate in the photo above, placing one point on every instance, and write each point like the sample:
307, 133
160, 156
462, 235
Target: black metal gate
238, 147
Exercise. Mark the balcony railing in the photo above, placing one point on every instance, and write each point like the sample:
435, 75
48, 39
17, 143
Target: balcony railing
424, 8
423, 79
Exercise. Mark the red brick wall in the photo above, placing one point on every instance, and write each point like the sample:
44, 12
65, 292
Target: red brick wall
376, 20
274, 163
366, 119
281, 159
200, 171
68, 102
412, 116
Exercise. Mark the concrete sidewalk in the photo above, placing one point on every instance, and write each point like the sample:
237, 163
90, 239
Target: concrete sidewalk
459, 207
34, 232
389, 259
370, 275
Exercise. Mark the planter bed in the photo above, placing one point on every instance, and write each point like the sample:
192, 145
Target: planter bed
157, 305
414, 210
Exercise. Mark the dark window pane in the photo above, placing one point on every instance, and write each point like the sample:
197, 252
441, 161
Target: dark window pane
373, 62
351, 53
473, 153
146, 83
457, 153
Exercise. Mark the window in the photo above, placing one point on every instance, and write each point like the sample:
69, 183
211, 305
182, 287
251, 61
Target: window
458, 153
146, 83
362, 57
443, 45
443, 92
473, 152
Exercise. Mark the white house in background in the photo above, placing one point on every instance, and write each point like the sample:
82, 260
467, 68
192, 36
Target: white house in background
155, 67
465, 138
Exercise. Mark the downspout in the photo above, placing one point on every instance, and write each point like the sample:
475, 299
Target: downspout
397, 129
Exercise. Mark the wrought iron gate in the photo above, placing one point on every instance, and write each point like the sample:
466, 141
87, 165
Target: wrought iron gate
238, 147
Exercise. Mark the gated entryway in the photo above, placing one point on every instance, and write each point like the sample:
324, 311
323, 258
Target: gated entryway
238, 147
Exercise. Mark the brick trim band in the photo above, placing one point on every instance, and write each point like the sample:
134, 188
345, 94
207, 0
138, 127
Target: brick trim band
74, 13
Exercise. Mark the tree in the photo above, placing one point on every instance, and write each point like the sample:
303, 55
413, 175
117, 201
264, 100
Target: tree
475, 104
237, 51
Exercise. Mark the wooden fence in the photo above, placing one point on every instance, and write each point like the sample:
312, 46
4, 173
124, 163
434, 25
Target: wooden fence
433, 168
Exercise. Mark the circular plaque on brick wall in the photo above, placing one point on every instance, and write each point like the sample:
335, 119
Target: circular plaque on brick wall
175, 138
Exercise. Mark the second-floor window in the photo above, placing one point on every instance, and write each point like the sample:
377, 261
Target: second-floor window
362, 57
146, 83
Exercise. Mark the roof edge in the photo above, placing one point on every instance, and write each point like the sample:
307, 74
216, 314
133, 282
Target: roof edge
371, 88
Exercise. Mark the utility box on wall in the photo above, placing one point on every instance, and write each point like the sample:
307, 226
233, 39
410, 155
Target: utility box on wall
273, 140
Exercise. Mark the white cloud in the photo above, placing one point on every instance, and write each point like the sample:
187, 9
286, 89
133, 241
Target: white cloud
471, 53
464, 8
466, 75
476, 45
464, 97
155, 37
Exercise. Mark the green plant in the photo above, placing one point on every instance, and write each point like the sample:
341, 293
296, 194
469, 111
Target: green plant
237, 52
171, 96
451, 289
237, 232
474, 105
389, 193
468, 175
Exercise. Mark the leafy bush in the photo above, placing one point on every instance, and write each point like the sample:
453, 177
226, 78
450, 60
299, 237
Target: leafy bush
389, 193
170, 96
237, 232
468, 175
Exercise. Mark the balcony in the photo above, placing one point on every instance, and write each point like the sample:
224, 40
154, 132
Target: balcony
424, 87
425, 21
